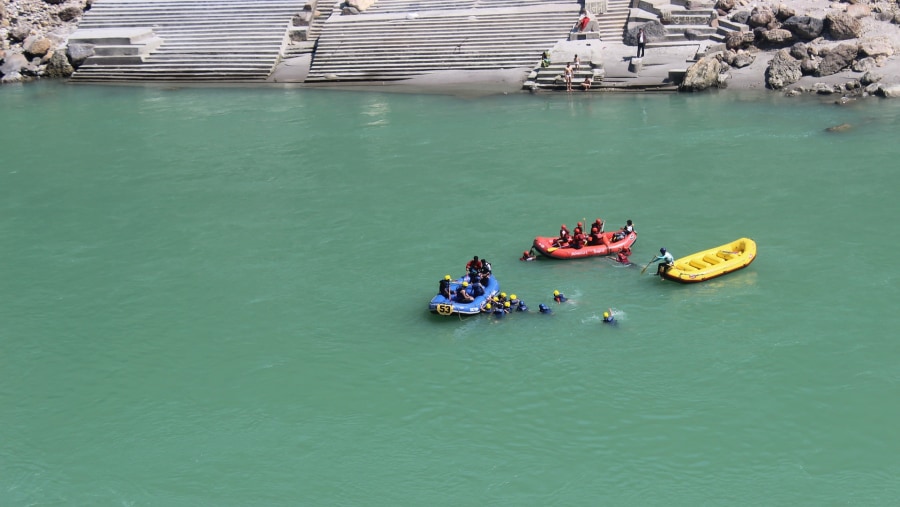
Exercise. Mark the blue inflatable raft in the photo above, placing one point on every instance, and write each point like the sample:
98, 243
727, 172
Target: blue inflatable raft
443, 306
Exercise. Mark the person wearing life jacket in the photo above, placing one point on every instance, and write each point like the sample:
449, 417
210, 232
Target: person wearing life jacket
485, 267
528, 255
622, 256
629, 227
578, 239
596, 237
559, 297
665, 259
564, 237
544, 308
444, 287
462, 294
521, 307
600, 224
477, 288
608, 317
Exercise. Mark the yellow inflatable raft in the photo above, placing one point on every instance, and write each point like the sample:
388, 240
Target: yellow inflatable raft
712, 263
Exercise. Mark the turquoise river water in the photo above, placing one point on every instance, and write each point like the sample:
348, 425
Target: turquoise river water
218, 297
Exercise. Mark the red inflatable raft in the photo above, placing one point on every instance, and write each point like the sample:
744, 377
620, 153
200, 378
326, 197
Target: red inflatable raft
544, 244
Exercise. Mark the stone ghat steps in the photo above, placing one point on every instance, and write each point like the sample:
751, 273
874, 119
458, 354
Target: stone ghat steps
224, 40
397, 46
385, 6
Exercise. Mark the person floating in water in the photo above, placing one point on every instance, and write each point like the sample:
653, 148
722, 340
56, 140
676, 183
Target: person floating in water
622, 256
528, 255
544, 308
521, 307
608, 317
559, 297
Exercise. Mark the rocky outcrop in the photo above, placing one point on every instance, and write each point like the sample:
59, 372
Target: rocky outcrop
804, 27
836, 59
702, 75
32, 37
783, 70
842, 26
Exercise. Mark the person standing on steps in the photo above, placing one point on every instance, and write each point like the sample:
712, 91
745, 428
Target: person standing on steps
568, 73
641, 42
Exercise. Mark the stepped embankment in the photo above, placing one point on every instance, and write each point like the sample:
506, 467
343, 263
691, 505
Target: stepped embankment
847, 49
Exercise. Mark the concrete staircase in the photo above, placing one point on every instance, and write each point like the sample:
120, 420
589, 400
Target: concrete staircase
550, 78
612, 22
398, 39
683, 24
298, 48
201, 40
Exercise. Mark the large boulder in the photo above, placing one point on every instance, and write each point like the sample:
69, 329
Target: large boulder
653, 31
876, 46
842, 26
18, 33
784, 12
739, 40
743, 59
836, 59
69, 13
804, 27
778, 37
13, 63
859, 11
741, 17
889, 91
702, 75
78, 53
58, 66
783, 70
870, 77
738, 59
36, 45
809, 65
725, 5
864, 64
761, 16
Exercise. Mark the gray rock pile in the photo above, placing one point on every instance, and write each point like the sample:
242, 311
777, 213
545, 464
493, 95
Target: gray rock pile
856, 35
33, 36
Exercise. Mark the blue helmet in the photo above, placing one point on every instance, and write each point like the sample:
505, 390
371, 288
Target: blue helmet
662, 250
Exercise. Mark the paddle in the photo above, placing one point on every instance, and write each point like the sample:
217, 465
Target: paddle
648, 265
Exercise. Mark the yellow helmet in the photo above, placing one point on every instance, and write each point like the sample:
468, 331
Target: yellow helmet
506, 304
556, 293
446, 277
496, 298
605, 315
487, 306
503, 294
465, 284
513, 296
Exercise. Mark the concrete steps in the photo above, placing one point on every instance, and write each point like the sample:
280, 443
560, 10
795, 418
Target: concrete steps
200, 40
397, 39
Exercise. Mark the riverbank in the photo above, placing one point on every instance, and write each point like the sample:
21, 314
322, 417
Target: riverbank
810, 46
